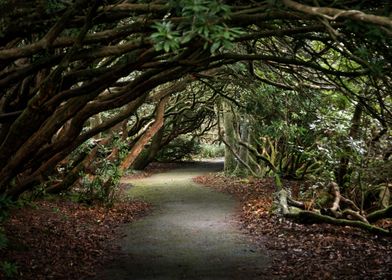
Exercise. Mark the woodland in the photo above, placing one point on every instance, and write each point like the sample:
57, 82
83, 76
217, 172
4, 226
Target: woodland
287, 91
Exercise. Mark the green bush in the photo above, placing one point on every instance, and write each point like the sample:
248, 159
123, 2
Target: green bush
211, 150
103, 187
183, 147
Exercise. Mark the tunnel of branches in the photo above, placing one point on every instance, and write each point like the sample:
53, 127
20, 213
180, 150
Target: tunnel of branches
296, 90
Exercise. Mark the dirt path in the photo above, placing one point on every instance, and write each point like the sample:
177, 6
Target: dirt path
191, 233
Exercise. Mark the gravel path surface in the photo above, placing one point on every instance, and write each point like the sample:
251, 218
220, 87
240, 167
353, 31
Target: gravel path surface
191, 233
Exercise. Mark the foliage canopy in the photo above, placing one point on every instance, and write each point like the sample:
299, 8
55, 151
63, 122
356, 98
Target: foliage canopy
65, 63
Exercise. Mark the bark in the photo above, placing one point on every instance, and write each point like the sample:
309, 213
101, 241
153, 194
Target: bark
137, 148
305, 216
350, 203
74, 174
333, 14
334, 189
70, 72
86, 166
380, 214
47, 163
283, 201
237, 156
243, 151
259, 156
25, 146
232, 58
229, 139
142, 84
335, 209
313, 217
95, 121
353, 215
144, 159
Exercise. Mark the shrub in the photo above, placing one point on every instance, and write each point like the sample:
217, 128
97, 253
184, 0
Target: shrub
183, 147
102, 187
211, 150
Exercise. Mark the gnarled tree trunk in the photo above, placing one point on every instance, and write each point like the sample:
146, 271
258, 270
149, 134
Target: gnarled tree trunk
151, 131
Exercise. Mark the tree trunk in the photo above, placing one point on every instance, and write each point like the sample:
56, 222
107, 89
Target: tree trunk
243, 151
144, 159
139, 145
74, 174
95, 121
229, 137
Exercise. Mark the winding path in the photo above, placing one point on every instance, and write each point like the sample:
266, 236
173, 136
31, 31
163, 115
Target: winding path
191, 233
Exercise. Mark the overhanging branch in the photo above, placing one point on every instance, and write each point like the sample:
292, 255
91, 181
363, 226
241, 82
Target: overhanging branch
333, 13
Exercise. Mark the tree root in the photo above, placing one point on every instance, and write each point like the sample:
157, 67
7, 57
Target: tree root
380, 214
306, 216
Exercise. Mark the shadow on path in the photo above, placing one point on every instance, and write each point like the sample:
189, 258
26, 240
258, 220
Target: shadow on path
191, 233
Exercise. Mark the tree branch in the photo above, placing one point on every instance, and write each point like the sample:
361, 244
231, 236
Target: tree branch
334, 14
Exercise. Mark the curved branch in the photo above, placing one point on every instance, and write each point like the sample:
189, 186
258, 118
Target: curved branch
333, 14
232, 58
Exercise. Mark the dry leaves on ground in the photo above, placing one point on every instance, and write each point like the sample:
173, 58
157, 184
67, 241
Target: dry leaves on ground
66, 240
63, 239
305, 251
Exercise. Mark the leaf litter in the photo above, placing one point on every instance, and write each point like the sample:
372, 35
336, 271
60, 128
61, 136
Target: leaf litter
304, 251
63, 239
66, 240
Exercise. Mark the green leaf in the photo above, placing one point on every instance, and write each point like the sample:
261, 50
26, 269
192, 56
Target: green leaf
187, 37
206, 31
226, 35
166, 46
215, 46
158, 47
227, 45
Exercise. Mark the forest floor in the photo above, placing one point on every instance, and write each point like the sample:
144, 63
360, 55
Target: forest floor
304, 251
57, 239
